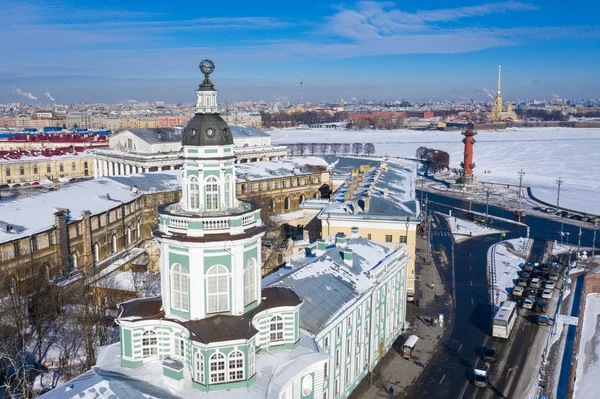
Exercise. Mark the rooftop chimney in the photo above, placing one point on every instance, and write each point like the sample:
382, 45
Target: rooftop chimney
340, 240
385, 192
354, 232
347, 256
320, 247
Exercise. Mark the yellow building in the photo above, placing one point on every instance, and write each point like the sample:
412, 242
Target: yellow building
377, 204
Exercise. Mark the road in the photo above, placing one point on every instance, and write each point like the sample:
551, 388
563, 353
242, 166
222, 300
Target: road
448, 373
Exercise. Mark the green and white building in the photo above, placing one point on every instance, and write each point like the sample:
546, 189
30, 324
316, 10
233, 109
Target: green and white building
312, 330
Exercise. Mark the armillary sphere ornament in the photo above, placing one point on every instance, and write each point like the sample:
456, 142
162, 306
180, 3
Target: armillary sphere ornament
207, 67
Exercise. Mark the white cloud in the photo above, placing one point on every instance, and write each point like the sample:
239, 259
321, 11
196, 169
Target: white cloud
26, 94
47, 94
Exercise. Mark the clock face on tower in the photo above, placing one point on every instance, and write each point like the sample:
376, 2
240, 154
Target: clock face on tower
210, 132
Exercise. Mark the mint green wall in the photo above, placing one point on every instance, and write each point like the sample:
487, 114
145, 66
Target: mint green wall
169, 372
127, 344
251, 253
215, 173
210, 151
210, 261
311, 395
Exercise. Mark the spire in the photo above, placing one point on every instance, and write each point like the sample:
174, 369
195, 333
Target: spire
499, 69
207, 95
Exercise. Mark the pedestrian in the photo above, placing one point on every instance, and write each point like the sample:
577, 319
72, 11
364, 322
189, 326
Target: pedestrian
391, 391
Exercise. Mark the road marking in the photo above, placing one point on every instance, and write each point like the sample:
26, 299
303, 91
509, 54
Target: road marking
460, 347
443, 378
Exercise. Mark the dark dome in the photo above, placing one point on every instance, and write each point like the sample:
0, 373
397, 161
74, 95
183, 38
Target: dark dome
207, 129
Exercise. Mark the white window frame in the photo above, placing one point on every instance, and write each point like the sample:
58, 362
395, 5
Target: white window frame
211, 187
180, 288
199, 368
149, 344
235, 366
276, 329
217, 367
338, 357
217, 277
251, 361
227, 191
307, 385
250, 277
178, 346
194, 193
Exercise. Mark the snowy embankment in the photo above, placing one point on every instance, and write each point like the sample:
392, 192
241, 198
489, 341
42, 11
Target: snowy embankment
544, 154
505, 259
587, 377
463, 229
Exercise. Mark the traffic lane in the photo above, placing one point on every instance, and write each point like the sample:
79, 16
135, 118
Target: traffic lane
452, 366
546, 229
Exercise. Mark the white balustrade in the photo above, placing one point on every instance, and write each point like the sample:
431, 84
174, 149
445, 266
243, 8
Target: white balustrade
216, 224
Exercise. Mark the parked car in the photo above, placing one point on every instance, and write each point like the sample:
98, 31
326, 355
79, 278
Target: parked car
535, 283
530, 293
547, 294
522, 282
528, 303
538, 274
550, 284
3, 186
553, 276
544, 267
525, 274
517, 291
528, 267
540, 307
489, 354
544, 320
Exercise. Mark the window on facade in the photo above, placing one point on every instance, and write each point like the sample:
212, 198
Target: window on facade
325, 375
272, 205
73, 261
51, 238
337, 387
301, 199
276, 329
307, 385
35, 170
149, 344
326, 342
227, 191
284, 183
85, 165
137, 231
34, 244
96, 253
338, 332
286, 203
199, 368
260, 186
129, 236
276, 184
217, 288
366, 355
48, 169
360, 312
348, 347
338, 357
7, 171
268, 185
402, 239
347, 374
178, 346
179, 288
236, 366
349, 322
73, 167
357, 365
250, 273
17, 249
251, 361
61, 167
212, 194
114, 244
194, 193
368, 236
388, 238
217, 368
358, 337
129, 144
22, 171
243, 188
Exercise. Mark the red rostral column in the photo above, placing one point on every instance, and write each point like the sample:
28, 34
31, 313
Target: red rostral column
468, 165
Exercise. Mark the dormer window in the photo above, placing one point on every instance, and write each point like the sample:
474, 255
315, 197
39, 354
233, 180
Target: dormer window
210, 132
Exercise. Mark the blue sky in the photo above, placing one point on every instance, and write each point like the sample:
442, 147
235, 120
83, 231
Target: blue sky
86, 51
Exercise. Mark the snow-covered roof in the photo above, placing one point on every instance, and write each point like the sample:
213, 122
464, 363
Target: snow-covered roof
241, 131
36, 213
281, 168
326, 284
155, 135
274, 370
390, 190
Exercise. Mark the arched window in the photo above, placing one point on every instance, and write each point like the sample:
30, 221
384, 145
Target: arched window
22, 171
129, 144
73, 261
137, 231
129, 236
85, 165
114, 244
307, 385
250, 281
179, 288
61, 167
301, 199
236, 366
217, 368
217, 289
316, 195
286, 204
194, 193
149, 344
212, 194
178, 346
251, 361
96, 253
276, 329
227, 191
272, 205
199, 368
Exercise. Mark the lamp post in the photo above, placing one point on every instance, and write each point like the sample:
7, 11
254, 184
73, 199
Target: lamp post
559, 182
579, 241
521, 173
594, 239
487, 192
567, 233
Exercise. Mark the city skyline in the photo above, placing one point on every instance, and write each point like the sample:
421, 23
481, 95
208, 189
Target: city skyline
366, 50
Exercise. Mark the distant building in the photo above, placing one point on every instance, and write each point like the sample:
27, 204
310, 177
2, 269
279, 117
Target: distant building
81, 120
171, 120
243, 118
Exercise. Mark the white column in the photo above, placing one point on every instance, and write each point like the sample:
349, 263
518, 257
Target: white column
121, 171
105, 168
160, 168
96, 166
146, 170
111, 169
128, 167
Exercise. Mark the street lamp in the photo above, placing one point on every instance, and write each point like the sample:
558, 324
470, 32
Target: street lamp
594, 239
567, 233
579, 241
487, 193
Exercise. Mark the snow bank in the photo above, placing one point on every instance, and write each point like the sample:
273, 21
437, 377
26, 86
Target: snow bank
462, 229
507, 264
587, 377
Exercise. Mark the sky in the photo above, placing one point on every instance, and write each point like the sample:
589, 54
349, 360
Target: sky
89, 51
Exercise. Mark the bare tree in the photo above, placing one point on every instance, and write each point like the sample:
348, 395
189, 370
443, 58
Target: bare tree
301, 148
362, 123
357, 148
291, 149
346, 148
312, 148
335, 148
323, 147
420, 153
369, 149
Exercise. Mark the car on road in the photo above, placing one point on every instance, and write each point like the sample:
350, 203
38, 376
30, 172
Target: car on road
547, 294
480, 375
530, 293
553, 276
522, 282
489, 354
535, 283
528, 303
517, 291
544, 320
540, 307
550, 284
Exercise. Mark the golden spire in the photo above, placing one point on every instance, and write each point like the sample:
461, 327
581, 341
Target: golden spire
496, 113
499, 69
